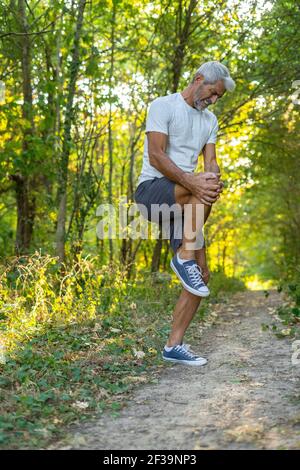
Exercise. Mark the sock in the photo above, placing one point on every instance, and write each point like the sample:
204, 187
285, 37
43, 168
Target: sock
168, 349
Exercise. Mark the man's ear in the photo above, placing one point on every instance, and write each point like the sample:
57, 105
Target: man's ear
199, 78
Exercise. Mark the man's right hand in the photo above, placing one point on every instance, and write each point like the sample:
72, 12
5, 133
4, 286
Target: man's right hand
205, 186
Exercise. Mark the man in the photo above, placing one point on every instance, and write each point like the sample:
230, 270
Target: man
178, 128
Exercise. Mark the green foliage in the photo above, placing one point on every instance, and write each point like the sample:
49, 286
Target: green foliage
35, 293
129, 55
70, 360
225, 284
78, 335
289, 312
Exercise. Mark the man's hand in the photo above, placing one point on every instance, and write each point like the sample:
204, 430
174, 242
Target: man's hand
205, 186
221, 183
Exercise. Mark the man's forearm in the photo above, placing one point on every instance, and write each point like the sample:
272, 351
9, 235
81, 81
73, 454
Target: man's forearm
162, 162
212, 166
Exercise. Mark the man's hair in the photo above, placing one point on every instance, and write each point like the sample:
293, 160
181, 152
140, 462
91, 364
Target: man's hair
214, 71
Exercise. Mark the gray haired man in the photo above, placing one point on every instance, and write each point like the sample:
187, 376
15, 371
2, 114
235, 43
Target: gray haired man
178, 128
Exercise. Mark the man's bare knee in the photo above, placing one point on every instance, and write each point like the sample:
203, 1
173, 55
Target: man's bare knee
182, 195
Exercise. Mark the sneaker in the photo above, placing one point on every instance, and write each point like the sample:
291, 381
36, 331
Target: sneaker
188, 348
190, 276
181, 355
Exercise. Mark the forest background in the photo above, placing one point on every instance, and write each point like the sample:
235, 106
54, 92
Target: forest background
76, 79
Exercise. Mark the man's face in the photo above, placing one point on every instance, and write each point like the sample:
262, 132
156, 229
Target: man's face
204, 95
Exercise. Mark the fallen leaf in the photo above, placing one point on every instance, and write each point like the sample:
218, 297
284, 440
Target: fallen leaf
82, 405
138, 354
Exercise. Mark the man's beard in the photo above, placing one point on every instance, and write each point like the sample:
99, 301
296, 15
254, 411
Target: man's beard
201, 104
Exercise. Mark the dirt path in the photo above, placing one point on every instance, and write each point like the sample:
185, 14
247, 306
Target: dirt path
246, 397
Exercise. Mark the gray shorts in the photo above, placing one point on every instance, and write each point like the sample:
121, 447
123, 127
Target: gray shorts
159, 191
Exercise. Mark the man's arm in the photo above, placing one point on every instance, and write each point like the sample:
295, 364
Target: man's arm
210, 158
210, 162
157, 144
199, 185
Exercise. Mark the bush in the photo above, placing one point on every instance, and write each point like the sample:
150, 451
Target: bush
290, 310
220, 284
74, 343
34, 294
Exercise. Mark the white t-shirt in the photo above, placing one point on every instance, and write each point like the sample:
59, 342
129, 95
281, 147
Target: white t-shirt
188, 130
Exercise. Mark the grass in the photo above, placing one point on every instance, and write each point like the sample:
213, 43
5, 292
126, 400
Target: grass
76, 346
287, 319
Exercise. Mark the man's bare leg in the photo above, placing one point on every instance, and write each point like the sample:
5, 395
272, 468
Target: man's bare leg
193, 222
187, 303
183, 314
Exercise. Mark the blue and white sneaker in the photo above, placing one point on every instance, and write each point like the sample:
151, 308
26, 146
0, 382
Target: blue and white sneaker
189, 274
182, 356
186, 346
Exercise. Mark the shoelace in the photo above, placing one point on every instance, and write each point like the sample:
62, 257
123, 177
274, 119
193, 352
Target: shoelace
186, 353
195, 275
187, 347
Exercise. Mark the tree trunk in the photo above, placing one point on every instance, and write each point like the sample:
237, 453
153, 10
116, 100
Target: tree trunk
157, 253
69, 117
110, 140
25, 213
24, 184
167, 249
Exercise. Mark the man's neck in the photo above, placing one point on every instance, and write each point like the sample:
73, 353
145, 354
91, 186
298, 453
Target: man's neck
188, 97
